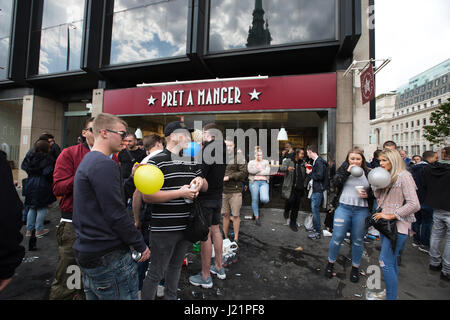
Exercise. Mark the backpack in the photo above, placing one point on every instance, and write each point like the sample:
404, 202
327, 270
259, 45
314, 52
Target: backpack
197, 227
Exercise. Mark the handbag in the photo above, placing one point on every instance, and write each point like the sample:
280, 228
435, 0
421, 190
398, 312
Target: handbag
197, 227
386, 227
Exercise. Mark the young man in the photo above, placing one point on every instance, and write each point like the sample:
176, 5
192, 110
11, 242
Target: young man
213, 169
170, 211
104, 231
390, 145
319, 177
235, 173
436, 182
63, 179
130, 155
424, 217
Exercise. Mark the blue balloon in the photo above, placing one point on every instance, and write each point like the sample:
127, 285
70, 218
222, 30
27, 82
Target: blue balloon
192, 150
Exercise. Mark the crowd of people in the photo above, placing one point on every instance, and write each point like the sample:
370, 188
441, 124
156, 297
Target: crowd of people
118, 236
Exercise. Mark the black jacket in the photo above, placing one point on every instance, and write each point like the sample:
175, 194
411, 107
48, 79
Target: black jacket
417, 173
11, 252
436, 184
38, 190
213, 172
339, 180
319, 175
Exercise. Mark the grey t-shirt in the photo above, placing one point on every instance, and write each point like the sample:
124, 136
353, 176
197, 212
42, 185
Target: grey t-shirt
350, 196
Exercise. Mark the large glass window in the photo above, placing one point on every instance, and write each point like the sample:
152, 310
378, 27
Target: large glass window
61, 36
148, 29
236, 24
5, 35
10, 125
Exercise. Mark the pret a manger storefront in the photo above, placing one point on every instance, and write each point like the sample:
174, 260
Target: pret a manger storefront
303, 105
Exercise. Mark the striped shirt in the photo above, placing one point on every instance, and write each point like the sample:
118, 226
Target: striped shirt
173, 215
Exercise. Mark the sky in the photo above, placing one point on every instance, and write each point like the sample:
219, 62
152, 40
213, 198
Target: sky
415, 34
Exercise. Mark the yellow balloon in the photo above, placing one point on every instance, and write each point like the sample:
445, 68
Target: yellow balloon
148, 179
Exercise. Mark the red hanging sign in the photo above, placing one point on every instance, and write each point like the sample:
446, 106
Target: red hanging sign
367, 85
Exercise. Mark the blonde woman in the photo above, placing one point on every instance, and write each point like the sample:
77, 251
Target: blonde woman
399, 201
259, 174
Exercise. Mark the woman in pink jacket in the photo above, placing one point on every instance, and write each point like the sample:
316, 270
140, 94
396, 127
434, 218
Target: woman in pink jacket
399, 201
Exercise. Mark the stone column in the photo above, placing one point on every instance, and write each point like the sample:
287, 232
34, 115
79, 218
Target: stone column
97, 101
344, 116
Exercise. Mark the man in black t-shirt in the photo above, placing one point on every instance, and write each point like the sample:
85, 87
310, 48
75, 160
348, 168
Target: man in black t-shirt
130, 155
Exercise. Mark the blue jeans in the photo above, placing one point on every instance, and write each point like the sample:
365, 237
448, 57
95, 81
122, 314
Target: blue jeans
348, 218
35, 219
260, 191
423, 224
117, 280
388, 263
316, 201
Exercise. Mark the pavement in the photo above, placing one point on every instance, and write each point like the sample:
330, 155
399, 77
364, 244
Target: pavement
268, 267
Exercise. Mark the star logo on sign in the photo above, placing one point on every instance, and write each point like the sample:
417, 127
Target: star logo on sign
151, 101
367, 87
254, 95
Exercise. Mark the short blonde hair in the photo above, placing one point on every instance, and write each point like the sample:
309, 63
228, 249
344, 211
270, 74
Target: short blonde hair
106, 121
397, 163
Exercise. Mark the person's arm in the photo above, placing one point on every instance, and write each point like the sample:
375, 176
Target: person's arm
341, 176
137, 205
63, 175
317, 173
165, 196
104, 176
252, 169
412, 204
265, 168
241, 174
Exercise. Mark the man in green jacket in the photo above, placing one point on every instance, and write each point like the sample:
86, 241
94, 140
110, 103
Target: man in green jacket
235, 173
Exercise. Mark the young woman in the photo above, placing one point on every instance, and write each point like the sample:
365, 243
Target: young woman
38, 190
259, 173
399, 201
352, 202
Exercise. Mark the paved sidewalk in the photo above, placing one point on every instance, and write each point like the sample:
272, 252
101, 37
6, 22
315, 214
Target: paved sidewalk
268, 268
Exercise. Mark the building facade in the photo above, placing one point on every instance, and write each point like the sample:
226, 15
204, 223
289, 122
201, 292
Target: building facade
404, 114
62, 61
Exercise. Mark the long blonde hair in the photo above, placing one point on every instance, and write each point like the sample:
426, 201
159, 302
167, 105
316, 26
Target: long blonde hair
397, 163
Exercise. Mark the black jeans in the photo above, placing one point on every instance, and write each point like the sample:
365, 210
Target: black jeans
292, 205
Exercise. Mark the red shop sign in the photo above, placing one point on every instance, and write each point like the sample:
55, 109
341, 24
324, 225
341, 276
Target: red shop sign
292, 92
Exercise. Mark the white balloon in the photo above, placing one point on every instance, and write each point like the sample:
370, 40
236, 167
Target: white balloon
379, 177
356, 171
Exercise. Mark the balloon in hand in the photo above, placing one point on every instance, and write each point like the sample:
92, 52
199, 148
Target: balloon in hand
192, 149
356, 171
148, 179
379, 177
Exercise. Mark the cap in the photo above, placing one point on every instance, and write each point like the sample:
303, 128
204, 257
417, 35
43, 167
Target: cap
175, 125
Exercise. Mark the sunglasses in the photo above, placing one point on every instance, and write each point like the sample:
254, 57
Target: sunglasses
89, 129
123, 134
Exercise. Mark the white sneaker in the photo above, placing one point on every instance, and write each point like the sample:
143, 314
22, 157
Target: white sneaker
160, 291
288, 221
326, 233
376, 295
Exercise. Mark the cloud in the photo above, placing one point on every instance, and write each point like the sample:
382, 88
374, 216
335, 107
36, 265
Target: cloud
415, 34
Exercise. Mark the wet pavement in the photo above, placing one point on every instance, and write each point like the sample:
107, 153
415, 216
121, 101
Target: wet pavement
268, 267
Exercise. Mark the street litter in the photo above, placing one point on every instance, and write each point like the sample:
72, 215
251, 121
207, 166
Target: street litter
358, 295
299, 249
29, 259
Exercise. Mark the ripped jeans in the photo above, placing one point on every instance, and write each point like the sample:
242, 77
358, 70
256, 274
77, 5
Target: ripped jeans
388, 263
353, 219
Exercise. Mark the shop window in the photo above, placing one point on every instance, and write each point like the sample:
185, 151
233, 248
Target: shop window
5, 35
60, 36
10, 122
237, 24
147, 30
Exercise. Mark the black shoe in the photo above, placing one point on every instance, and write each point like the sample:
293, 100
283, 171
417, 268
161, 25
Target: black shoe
46, 222
435, 268
354, 274
258, 223
32, 242
329, 270
445, 277
293, 226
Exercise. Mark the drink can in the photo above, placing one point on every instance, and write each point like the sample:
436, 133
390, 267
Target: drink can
136, 256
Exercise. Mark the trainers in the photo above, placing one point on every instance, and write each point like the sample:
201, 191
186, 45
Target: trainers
258, 223
436, 268
327, 233
376, 295
354, 275
43, 232
314, 236
220, 273
424, 248
288, 221
28, 234
415, 243
329, 270
198, 280
445, 277
160, 291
